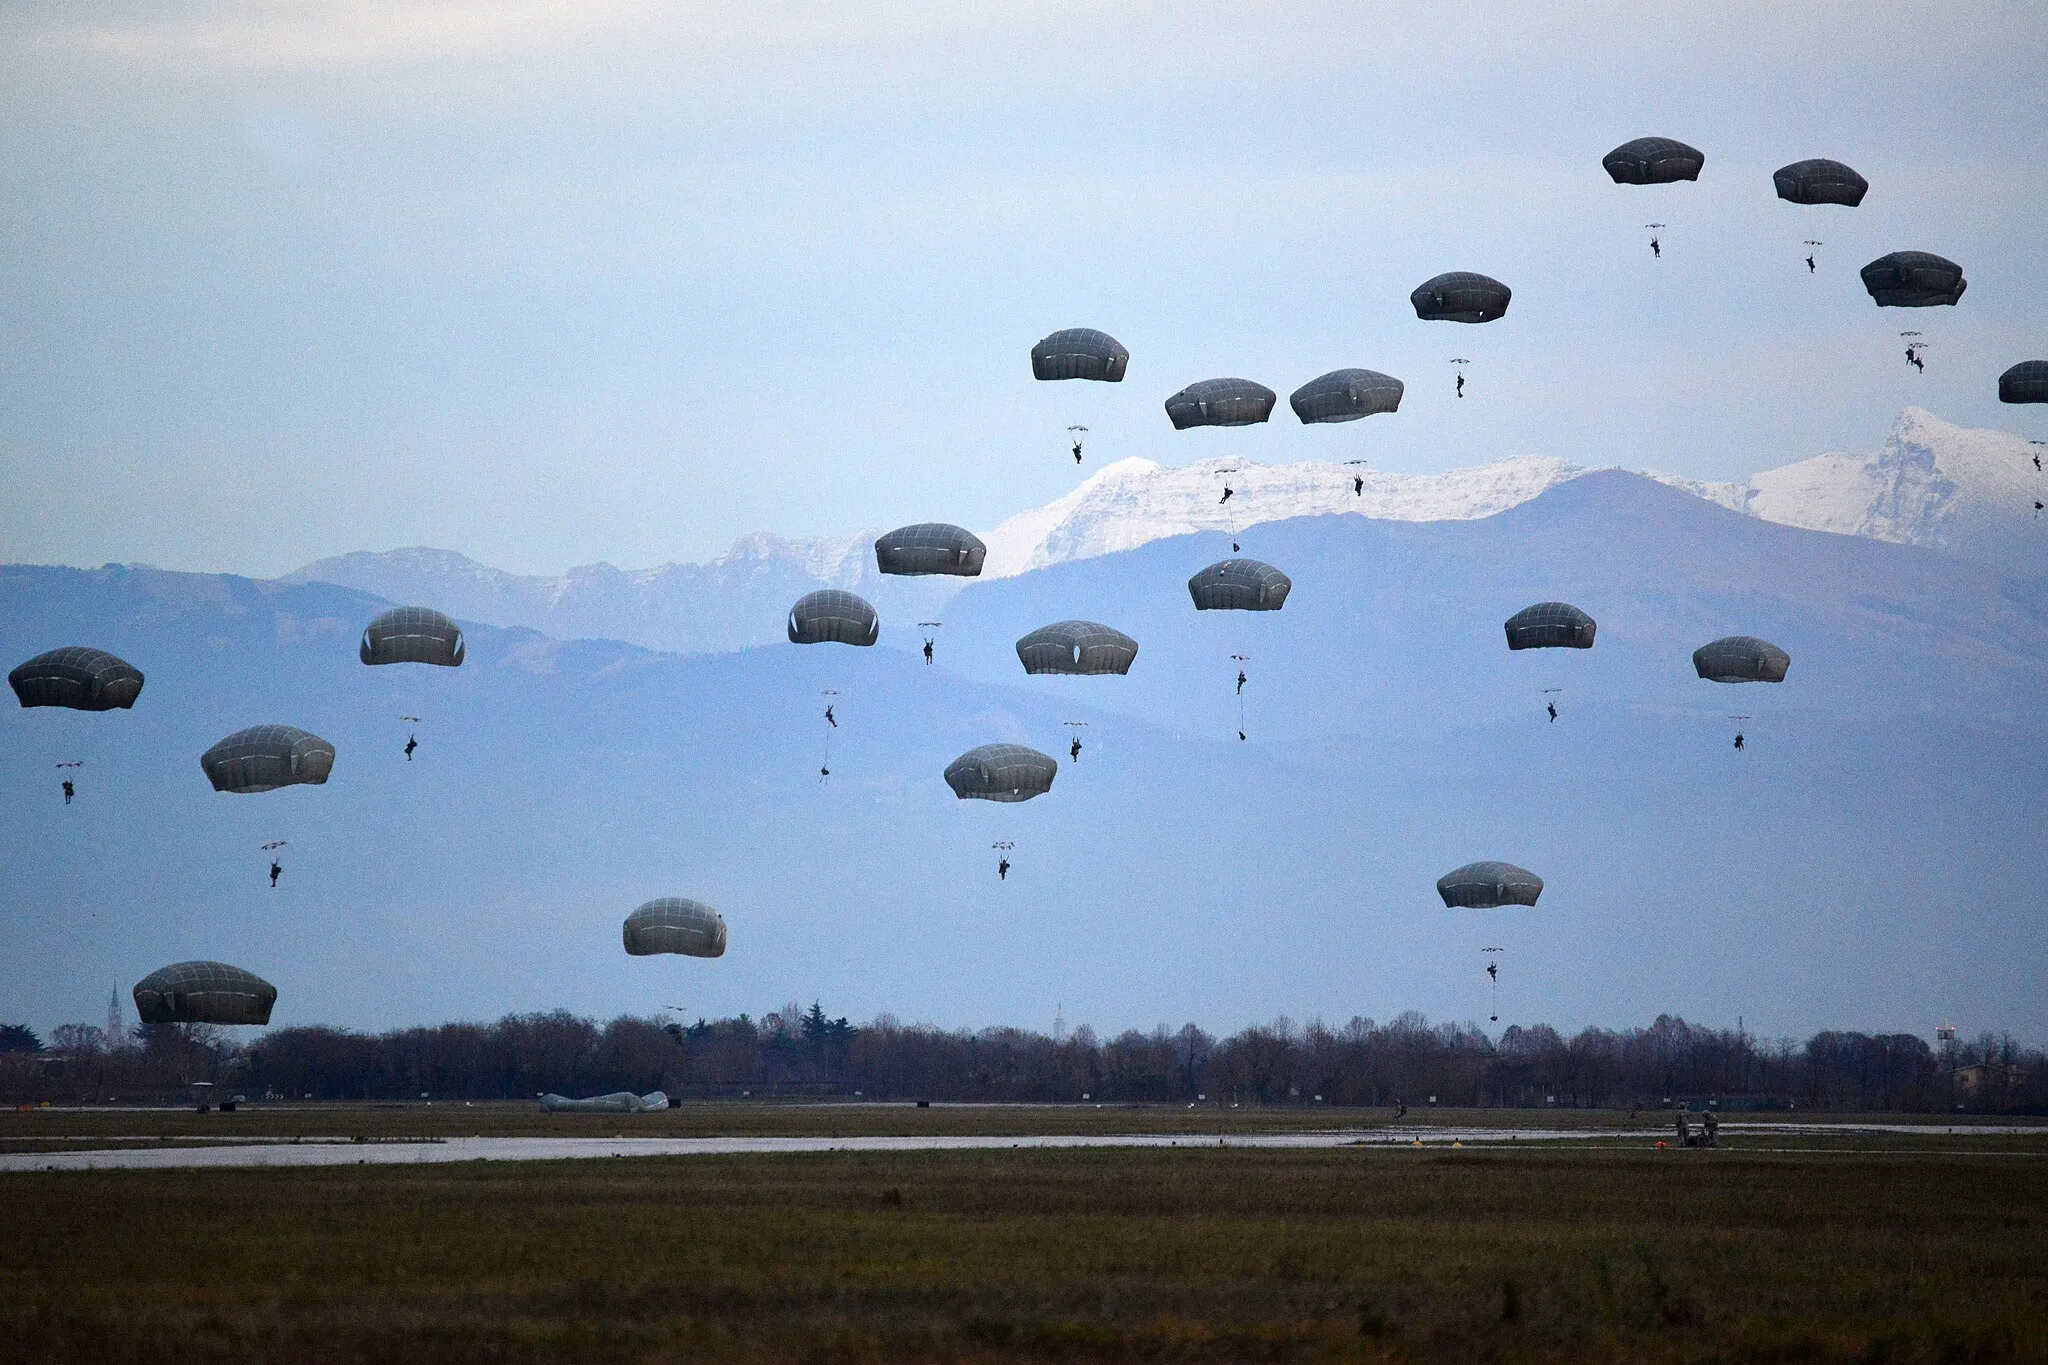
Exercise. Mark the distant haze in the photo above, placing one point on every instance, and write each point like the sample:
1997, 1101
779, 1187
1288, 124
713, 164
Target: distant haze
1930, 483
556, 284
1864, 864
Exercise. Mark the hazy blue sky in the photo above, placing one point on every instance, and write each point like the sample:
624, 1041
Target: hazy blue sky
557, 282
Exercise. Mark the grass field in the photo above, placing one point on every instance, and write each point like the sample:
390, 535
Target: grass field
1197, 1254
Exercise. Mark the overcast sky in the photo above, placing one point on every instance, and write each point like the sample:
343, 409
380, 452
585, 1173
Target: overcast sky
551, 283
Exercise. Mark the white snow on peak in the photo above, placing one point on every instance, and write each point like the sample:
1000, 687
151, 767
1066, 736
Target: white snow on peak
839, 560
1932, 483
1136, 501
1968, 492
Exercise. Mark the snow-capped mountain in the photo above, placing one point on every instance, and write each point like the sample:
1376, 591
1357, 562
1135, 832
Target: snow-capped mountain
1134, 502
1968, 492
1932, 483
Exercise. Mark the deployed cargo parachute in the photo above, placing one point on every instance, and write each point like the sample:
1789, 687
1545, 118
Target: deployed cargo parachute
675, 925
77, 677
412, 635
1653, 161
1080, 353
1489, 885
203, 993
265, 757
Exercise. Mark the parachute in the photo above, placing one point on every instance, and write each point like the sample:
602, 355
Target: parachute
1550, 625
1001, 772
1820, 181
1461, 296
930, 547
2026, 382
1080, 647
674, 925
203, 993
618, 1102
1740, 659
1346, 396
830, 616
1221, 403
77, 677
413, 635
1240, 585
1653, 161
1488, 886
265, 757
1080, 353
1914, 279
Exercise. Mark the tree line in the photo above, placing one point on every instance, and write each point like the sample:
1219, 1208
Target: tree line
797, 1052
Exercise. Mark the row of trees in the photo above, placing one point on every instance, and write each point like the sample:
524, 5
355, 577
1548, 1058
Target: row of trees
803, 1052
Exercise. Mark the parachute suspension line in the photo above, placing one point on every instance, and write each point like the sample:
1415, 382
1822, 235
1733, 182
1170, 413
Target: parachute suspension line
1224, 501
831, 724
1493, 977
1461, 362
1241, 660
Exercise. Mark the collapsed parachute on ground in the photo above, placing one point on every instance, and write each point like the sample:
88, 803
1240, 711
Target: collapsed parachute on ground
1240, 585
1080, 353
1221, 403
1488, 886
77, 677
1001, 772
1653, 161
1740, 659
265, 757
1346, 396
1550, 625
413, 635
675, 925
1081, 647
1461, 296
203, 993
930, 547
1914, 279
1820, 181
2026, 382
618, 1102
830, 616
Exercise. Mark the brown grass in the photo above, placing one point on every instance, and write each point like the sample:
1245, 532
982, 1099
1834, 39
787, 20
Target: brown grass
1195, 1254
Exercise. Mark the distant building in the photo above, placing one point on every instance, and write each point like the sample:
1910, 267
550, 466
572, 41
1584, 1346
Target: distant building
1987, 1080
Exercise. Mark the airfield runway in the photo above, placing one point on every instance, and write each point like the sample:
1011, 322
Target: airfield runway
342, 1151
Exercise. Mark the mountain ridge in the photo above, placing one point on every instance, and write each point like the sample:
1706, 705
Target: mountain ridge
1889, 793
1930, 483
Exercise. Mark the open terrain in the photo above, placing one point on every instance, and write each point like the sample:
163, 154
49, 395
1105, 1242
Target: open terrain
1374, 1253
61, 1128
